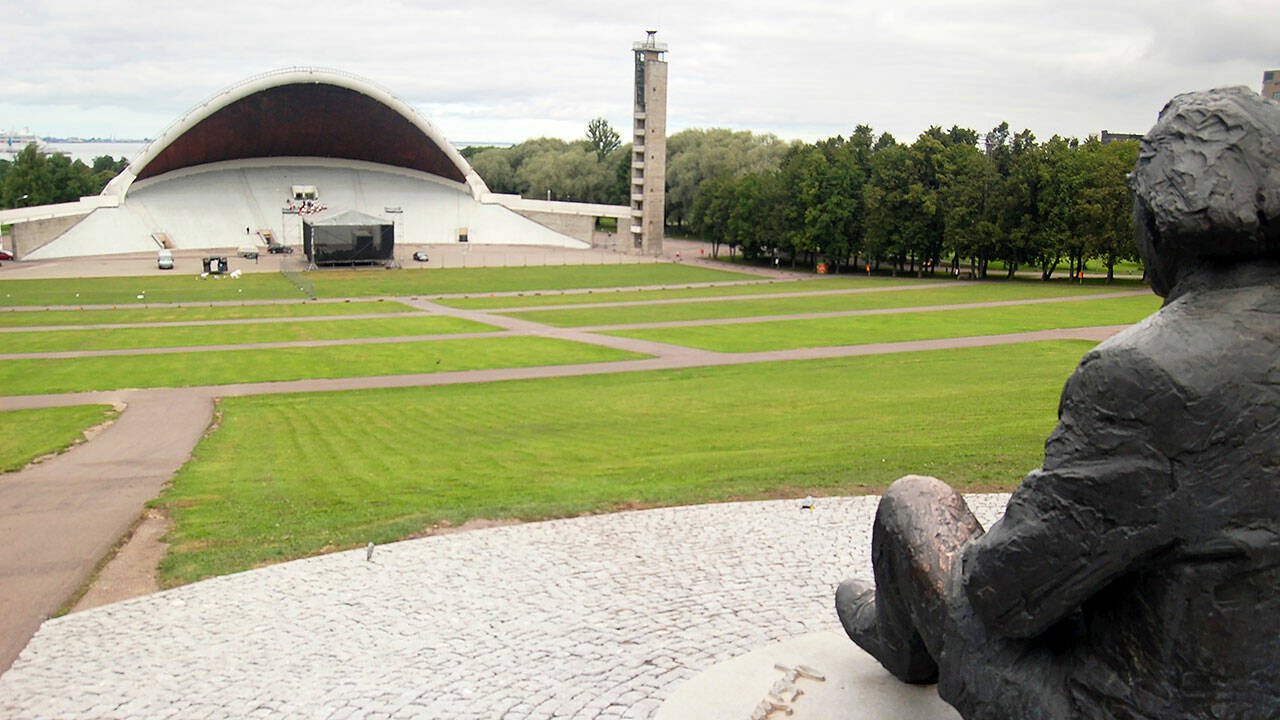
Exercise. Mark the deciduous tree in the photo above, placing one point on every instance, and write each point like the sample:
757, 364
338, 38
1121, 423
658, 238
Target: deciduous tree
603, 138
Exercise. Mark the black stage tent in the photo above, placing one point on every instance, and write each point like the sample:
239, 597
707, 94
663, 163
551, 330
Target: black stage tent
349, 238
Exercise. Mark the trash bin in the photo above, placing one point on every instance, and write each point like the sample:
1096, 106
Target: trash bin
215, 265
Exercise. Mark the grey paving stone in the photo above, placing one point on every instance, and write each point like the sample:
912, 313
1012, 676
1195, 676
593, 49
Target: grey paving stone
592, 617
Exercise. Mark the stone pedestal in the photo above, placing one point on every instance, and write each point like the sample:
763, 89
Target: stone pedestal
855, 686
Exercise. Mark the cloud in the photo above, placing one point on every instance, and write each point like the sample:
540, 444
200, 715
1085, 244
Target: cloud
799, 69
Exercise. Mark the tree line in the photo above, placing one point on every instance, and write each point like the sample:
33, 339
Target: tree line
36, 178
952, 199
595, 169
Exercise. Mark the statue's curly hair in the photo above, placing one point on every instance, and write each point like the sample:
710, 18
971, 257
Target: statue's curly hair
1207, 183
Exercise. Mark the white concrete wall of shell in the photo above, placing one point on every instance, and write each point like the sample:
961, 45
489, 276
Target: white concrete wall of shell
209, 206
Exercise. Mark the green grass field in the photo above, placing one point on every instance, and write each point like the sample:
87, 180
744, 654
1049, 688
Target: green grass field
346, 283
362, 283
959, 293
285, 476
16, 318
75, 292
858, 330
221, 367
28, 434
195, 335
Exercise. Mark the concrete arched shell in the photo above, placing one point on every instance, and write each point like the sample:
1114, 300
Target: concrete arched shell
302, 112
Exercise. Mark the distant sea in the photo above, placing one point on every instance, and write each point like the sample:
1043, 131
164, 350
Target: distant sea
87, 151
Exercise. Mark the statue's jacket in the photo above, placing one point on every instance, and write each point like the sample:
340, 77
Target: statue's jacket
1137, 574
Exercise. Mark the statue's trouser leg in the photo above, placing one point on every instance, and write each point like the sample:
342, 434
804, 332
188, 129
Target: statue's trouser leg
920, 527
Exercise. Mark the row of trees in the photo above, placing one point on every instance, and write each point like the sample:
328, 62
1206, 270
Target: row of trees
596, 169
951, 198
34, 178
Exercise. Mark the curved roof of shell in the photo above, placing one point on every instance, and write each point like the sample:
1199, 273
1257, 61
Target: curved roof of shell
302, 112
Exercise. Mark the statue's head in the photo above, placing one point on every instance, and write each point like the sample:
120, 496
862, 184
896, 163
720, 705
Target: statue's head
1207, 184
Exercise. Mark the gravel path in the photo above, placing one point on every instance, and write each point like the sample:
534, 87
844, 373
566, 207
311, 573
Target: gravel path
592, 617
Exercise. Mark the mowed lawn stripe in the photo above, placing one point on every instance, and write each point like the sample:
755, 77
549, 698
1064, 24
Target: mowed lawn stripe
749, 307
195, 335
862, 329
286, 476
129, 315
28, 434
75, 292
444, 281
222, 367
347, 283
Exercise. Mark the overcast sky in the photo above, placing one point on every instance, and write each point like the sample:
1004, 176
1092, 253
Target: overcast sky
506, 71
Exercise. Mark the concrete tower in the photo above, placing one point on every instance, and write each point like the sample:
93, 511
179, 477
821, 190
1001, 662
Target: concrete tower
649, 147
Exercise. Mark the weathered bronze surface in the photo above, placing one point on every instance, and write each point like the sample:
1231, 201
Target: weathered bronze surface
1137, 574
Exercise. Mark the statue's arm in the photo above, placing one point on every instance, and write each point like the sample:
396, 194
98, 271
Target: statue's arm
1082, 520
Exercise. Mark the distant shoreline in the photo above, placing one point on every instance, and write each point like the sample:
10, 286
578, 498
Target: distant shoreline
87, 149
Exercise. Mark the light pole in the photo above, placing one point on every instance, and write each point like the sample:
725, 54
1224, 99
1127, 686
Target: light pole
395, 213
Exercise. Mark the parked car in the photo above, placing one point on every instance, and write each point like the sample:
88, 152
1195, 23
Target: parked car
420, 256
164, 260
280, 249
6, 255
248, 252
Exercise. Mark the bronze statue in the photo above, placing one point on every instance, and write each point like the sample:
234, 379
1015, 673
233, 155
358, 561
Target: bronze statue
1137, 574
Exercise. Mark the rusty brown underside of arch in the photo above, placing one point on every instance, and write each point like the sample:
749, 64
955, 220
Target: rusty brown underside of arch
305, 120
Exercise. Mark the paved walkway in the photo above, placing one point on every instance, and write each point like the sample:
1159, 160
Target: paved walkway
63, 516
593, 617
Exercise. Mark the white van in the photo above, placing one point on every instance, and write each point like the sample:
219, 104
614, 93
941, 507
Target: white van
164, 260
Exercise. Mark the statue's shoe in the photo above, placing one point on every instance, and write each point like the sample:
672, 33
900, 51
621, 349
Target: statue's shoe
909, 661
856, 608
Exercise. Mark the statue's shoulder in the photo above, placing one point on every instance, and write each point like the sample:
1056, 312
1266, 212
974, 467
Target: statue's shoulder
1204, 346
1198, 324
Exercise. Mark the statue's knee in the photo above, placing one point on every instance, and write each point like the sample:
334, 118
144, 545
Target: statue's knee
917, 486
918, 509
911, 495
